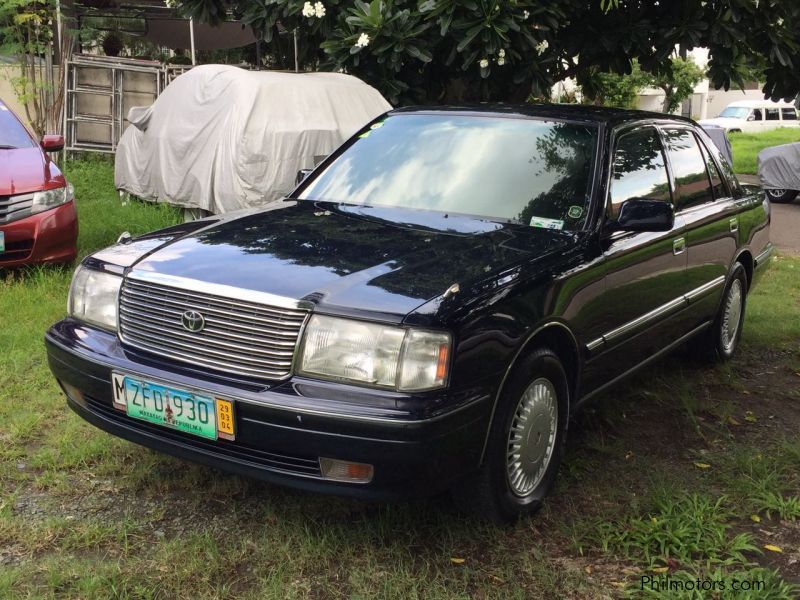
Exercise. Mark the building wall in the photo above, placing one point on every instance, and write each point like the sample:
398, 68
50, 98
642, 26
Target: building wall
7, 91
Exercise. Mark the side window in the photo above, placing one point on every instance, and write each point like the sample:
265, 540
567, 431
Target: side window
734, 186
789, 114
717, 185
757, 115
692, 185
773, 114
638, 170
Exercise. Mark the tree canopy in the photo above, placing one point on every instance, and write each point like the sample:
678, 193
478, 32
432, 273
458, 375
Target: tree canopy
466, 50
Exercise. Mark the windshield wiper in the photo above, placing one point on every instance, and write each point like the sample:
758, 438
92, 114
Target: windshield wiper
7, 147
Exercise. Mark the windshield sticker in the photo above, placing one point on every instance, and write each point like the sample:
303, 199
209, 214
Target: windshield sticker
547, 223
364, 135
376, 125
575, 212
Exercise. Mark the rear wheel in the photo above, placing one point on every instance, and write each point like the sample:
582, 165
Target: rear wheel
780, 196
525, 445
720, 341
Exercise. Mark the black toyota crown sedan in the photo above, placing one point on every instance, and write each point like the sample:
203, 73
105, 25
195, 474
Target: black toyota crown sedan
426, 309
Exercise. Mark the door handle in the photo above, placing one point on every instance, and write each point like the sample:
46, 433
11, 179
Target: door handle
678, 246
734, 224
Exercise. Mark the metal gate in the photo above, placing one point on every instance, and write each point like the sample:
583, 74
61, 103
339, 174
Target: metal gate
99, 92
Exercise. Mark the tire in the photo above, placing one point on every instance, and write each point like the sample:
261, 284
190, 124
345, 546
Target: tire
507, 486
720, 341
780, 196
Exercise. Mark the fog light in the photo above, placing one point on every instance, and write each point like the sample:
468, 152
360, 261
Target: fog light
74, 393
341, 470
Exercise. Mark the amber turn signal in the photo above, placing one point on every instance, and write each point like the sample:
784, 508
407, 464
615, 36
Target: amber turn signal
340, 470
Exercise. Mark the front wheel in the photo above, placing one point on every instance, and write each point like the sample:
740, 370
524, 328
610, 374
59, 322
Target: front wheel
780, 196
525, 445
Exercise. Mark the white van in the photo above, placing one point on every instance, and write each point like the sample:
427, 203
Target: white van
755, 115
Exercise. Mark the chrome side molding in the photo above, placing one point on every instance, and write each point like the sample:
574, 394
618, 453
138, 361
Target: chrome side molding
653, 315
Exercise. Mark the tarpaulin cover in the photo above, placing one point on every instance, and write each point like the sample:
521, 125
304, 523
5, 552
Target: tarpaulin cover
779, 167
220, 138
721, 141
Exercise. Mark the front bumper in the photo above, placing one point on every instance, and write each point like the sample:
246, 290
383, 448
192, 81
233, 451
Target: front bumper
281, 432
47, 237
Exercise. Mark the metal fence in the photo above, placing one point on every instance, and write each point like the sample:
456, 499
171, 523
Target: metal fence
100, 90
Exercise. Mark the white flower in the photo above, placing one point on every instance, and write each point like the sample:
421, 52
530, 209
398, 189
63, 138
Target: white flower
319, 10
308, 10
525, 15
501, 61
363, 41
484, 63
501, 53
543, 45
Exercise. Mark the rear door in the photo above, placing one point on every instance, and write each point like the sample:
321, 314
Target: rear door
709, 211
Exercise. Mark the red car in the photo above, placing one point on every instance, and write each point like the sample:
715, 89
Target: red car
38, 221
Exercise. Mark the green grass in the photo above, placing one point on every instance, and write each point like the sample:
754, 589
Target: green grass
87, 515
746, 146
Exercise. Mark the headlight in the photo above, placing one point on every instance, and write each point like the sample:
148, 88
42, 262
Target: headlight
380, 355
51, 198
93, 297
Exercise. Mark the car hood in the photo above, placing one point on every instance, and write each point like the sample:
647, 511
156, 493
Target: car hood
24, 170
351, 260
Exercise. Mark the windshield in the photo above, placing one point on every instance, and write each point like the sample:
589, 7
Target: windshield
12, 133
735, 112
512, 169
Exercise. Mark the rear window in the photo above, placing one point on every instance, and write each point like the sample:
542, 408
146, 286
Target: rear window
12, 133
688, 167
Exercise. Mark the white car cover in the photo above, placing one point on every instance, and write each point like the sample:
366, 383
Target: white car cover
220, 138
779, 167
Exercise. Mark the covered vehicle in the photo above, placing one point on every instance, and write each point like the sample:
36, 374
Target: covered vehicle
38, 220
220, 138
779, 171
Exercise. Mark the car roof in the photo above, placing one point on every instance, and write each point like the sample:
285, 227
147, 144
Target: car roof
760, 104
561, 112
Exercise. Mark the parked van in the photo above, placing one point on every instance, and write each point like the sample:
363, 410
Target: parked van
755, 115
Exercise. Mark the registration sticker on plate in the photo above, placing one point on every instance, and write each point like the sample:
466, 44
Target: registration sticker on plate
2, 242
190, 412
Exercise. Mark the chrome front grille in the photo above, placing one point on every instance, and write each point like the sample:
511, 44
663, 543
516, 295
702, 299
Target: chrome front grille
13, 208
240, 337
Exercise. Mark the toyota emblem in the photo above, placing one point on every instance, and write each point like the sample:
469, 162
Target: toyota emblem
193, 321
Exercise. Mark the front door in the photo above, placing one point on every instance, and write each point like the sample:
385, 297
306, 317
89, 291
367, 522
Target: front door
645, 272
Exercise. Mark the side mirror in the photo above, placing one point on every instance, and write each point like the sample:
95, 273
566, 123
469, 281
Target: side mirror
301, 176
643, 214
52, 143
751, 118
